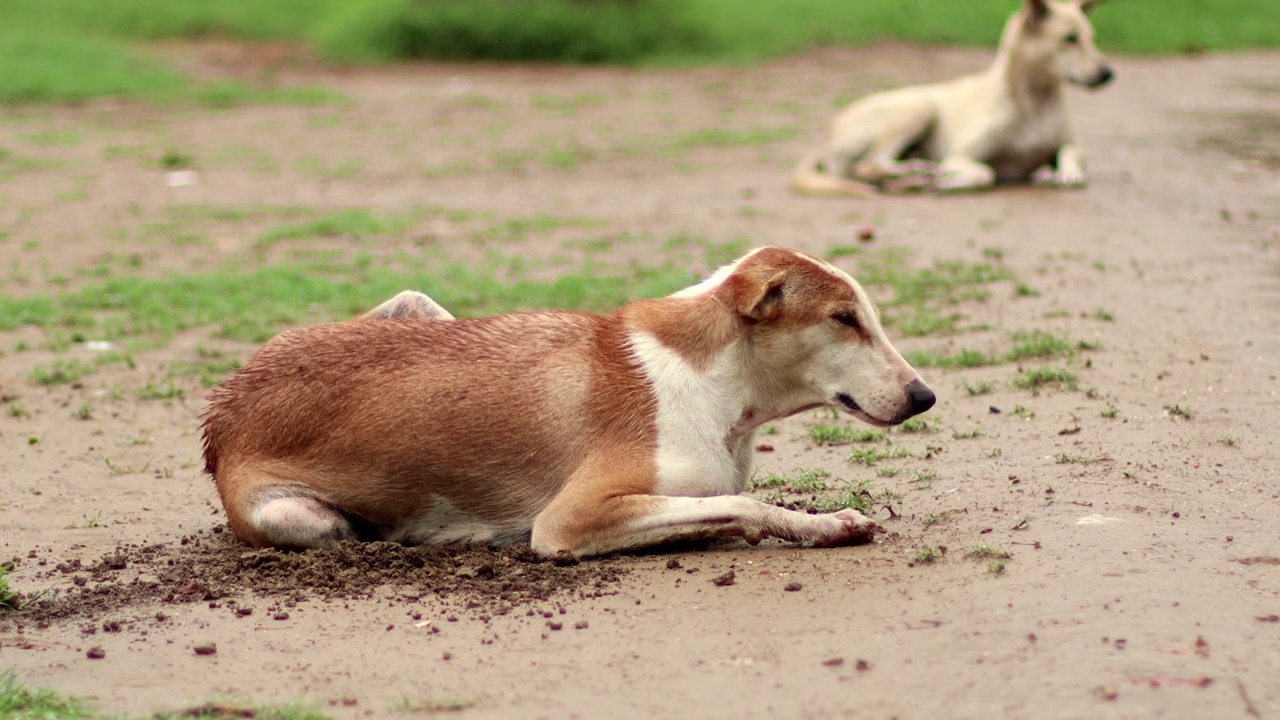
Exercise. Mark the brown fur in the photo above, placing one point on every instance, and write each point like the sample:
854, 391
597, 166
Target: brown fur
403, 423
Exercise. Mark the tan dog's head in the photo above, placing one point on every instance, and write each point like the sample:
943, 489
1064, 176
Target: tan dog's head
817, 338
1057, 35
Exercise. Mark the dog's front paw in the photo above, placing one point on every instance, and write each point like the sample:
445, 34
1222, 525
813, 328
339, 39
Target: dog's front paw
847, 527
1070, 178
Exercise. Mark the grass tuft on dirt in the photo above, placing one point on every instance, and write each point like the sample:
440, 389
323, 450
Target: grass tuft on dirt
19, 702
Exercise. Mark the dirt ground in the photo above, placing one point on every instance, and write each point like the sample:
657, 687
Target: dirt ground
1145, 583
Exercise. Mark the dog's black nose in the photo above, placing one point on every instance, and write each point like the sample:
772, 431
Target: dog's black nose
922, 398
1102, 78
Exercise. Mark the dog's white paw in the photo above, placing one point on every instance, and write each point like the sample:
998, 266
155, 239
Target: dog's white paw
846, 527
1073, 178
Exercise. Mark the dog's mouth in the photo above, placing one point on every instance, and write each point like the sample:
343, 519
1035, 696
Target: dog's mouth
849, 404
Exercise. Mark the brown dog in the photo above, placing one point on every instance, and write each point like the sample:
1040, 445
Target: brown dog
578, 432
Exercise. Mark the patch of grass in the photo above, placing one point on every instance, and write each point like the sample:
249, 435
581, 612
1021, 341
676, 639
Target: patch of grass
1068, 459
803, 480
17, 409
844, 434
436, 705
1229, 440
963, 358
218, 711
1024, 290
918, 425
9, 600
1103, 315
19, 702
1039, 344
980, 387
927, 555
970, 434
1178, 411
855, 495
987, 552
160, 390
1023, 412
176, 160
933, 519
722, 137
61, 371
1037, 378
996, 567
924, 478
872, 455
513, 229
1110, 412
253, 305
87, 522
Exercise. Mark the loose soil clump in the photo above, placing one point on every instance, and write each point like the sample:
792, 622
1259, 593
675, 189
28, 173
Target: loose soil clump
207, 568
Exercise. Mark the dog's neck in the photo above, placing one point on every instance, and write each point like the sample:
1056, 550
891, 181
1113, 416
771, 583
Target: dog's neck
1030, 82
713, 342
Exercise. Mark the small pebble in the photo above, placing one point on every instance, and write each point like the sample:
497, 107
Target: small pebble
724, 580
96, 653
209, 649
580, 625
793, 587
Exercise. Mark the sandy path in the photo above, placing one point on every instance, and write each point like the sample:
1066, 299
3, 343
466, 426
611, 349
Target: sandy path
1147, 584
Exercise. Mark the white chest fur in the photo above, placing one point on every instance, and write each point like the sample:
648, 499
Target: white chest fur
696, 409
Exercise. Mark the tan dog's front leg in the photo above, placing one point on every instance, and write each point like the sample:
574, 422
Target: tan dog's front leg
1070, 167
958, 173
630, 522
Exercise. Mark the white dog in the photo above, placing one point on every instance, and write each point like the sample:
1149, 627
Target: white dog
1002, 124
577, 432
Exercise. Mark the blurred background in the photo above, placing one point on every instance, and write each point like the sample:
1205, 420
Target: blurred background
76, 49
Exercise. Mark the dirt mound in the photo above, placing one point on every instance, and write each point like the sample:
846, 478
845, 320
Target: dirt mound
215, 567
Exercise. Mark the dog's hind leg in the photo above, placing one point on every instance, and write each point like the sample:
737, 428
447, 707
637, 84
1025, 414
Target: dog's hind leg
266, 512
903, 129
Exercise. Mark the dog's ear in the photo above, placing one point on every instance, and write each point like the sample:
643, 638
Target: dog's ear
1087, 6
1036, 12
759, 298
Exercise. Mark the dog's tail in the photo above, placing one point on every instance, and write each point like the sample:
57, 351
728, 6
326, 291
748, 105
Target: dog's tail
807, 179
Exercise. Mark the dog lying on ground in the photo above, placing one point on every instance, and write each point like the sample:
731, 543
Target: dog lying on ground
574, 431
1002, 124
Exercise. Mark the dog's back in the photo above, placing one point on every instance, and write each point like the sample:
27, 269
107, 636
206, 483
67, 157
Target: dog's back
376, 409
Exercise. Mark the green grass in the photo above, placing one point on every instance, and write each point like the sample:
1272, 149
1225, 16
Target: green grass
8, 597
18, 702
1037, 378
70, 50
927, 555
253, 305
988, 552
844, 434
963, 358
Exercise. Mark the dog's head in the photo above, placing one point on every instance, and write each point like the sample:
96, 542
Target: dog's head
1058, 34
816, 337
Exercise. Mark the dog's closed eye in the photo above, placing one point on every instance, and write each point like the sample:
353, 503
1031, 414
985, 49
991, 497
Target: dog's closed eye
1072, 39
848, 319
